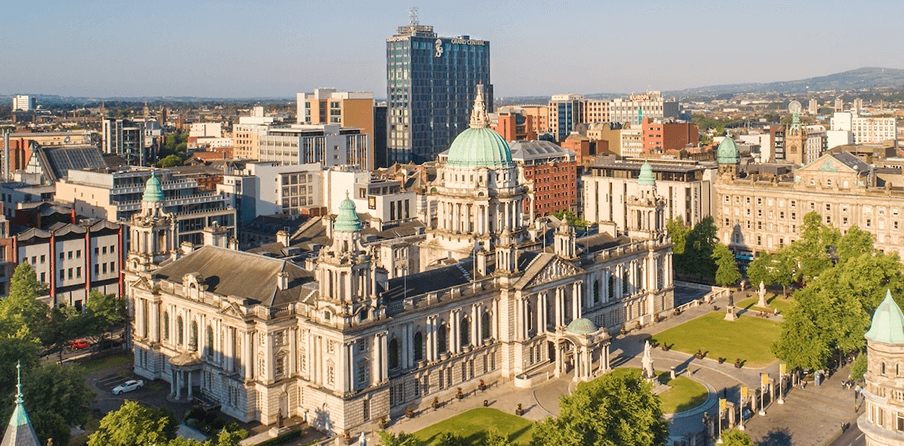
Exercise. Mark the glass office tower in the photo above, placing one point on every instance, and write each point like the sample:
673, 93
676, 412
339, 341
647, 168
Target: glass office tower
430, 86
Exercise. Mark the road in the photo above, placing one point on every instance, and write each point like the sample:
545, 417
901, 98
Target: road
851, 437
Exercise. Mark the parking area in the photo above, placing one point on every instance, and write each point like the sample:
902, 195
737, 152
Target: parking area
684, 295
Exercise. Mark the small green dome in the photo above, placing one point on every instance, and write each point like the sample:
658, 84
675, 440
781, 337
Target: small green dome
888, 323
480, 147
646, 176
347, 219
152, 190
728, 152
581, 326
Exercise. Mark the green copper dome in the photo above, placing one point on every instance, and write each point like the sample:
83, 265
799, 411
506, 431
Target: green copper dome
581, 326
728, 152
888, 323
646, 176
480, 147
152, 191
347, 218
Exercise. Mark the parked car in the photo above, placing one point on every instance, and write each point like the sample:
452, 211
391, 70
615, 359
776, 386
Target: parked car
128, 386
80, 344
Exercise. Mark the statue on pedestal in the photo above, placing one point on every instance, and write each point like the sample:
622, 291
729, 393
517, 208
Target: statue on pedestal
762, 292
647, 361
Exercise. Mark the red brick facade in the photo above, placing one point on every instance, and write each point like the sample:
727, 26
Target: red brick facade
555, 187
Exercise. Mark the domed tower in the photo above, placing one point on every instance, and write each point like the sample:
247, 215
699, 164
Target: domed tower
881, 422
151, 230
345, 270
477, 192
728, 156
646, 209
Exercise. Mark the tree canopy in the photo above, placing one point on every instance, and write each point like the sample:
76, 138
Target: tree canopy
400, 439
736, 438
20, 311
608, 411
845, 278
693, 248
727, 272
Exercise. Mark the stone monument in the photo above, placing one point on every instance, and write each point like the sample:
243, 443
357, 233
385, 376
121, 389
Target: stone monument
730, 314
647, 362
762, 292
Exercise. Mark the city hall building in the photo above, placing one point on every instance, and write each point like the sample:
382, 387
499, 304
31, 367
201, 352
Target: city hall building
343, 346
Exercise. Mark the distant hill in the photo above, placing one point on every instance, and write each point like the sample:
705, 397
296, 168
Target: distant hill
848, 80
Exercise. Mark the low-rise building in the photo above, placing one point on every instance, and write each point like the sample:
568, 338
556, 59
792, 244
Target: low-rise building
329, 145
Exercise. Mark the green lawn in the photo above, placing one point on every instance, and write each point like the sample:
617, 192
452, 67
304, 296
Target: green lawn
685, 393
747, 338
773, 300
473, 424
92, 366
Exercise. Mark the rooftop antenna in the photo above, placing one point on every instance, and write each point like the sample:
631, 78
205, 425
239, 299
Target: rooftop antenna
412, 16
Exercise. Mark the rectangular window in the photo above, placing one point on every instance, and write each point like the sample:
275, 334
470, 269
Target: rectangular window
78, 272
69, 273
78, 254
43, 259
69, 255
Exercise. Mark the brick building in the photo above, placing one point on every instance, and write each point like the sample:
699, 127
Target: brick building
554, 173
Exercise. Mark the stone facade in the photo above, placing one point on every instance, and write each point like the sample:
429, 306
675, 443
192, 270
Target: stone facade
345, 346
883, 419
759, 213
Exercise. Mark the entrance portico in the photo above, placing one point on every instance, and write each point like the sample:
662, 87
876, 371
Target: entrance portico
181, 369
581, 342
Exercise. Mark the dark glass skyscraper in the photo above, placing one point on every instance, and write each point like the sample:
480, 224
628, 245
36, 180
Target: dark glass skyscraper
430, 86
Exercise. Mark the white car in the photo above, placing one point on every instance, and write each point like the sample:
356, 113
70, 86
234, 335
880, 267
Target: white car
128, 386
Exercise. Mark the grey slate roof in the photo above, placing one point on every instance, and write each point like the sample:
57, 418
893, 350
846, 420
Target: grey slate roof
234, 273
428, 281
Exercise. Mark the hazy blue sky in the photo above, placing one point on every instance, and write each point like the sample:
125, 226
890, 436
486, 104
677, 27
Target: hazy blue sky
245, 48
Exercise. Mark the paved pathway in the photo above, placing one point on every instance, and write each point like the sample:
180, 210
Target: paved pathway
790, 424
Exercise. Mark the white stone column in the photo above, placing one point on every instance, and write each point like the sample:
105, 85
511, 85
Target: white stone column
454, 341
293, 349
558, 350
429, 334
268, 362
403, 347
558, 309
479, 333
475, 335
377, 360
249, 357
384, 367
576, 301
541, 304
343, 367
496, 320
497, 218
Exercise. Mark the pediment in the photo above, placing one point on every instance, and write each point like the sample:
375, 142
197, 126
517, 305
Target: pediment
826, 163
545, 269
232, 310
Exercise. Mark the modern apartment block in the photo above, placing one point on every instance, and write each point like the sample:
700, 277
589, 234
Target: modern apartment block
566, 111
24, 103
513, 124
116, 195
73, 259
431, 85
684, 185
638, 106
327, 144
342, 108
866, 129
124, 138
662, 136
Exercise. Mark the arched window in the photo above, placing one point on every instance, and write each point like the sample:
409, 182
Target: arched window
530, 317
486, 325
465, 334
624, 282
209, 340
596, 291
394, 354
611, 280
441, 341
180, 331
326, 315
166, 326
882, 369
418, 346
193, 341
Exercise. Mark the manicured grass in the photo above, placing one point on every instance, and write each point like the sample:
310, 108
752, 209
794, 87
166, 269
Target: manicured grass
105, 363
773, 300
685, 393
747, 338
473, 425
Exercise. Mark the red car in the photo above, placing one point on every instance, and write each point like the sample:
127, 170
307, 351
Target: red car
78, 345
